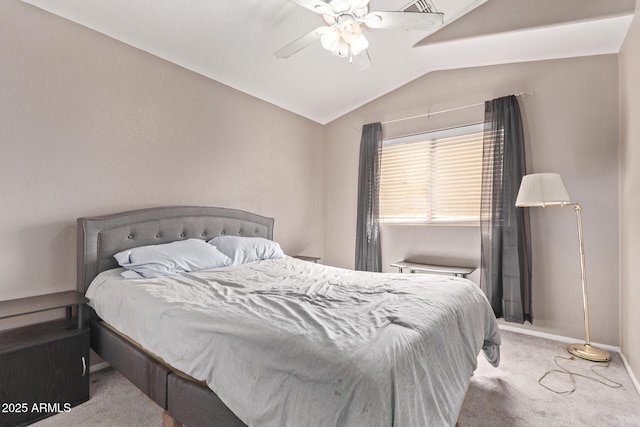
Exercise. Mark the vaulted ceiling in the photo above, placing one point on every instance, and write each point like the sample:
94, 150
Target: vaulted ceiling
233, 42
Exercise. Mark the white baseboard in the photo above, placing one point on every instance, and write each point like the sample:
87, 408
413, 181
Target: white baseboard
609, 348
634, 379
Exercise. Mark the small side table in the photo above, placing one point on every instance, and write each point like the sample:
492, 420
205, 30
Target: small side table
44, 367
308, 258
431, 268
29, 305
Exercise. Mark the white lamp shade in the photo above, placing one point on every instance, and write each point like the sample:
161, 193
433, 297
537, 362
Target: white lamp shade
542, 189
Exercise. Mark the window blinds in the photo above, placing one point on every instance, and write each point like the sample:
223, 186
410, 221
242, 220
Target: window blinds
433, 177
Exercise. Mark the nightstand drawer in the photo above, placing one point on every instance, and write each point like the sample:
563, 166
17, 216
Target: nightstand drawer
44, 370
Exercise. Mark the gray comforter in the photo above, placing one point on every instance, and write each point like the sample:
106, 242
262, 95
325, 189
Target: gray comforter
292, 343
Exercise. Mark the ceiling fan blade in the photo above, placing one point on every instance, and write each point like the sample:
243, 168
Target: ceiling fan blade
317, 6
363, 60
299, 44
403, 20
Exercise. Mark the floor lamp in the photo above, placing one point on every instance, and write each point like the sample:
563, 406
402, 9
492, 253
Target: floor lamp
547, 189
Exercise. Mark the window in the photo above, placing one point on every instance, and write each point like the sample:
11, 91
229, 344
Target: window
433, 177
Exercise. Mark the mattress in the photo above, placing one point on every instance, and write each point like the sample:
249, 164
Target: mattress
289, 343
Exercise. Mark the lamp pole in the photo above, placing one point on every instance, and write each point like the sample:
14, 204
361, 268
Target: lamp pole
585, 351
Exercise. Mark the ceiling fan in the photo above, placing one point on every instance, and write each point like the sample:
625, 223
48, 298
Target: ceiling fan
344, 21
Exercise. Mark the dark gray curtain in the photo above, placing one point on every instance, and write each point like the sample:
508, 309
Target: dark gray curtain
505, 268
368, 254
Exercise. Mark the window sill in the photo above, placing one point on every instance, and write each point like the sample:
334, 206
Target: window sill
431, 224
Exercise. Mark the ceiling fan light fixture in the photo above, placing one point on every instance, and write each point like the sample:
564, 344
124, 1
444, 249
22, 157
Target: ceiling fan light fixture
344, 39
330, 38
345, 20
359, 45
342, 50
350, 31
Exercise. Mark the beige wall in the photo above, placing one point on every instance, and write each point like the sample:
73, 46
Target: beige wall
90, 126
571, 127
630, 194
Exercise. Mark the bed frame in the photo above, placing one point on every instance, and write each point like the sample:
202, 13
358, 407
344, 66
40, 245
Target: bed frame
99, 238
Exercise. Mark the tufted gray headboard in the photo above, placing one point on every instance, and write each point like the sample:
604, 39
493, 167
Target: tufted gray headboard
99, 238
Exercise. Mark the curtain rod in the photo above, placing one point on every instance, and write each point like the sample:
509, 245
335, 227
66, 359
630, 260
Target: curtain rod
447, 110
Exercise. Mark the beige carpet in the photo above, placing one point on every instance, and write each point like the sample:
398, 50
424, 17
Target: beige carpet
505, 396
114, 402
510, 395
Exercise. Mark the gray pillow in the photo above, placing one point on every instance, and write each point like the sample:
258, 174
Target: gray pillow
247, 249
169, 258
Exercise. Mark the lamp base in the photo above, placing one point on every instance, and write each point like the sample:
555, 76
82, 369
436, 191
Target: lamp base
589, 352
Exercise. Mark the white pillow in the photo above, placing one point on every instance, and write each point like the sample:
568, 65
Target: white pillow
169, 258
246, 249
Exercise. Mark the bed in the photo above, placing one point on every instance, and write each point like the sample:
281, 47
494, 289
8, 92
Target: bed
410, 365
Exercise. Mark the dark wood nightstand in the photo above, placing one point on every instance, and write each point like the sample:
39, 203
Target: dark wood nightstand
44, 367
